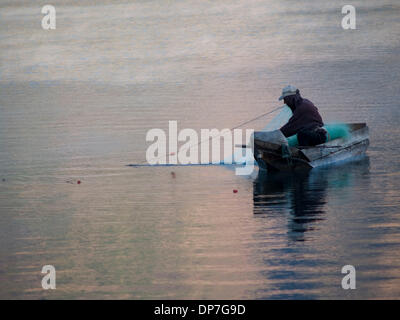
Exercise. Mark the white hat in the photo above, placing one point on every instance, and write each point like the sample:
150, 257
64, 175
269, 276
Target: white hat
288, 91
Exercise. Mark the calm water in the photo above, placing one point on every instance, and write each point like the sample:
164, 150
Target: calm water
76, 103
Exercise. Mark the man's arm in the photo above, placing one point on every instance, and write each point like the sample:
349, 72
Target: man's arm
292, 126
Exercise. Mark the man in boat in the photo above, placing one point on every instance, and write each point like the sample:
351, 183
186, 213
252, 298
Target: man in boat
306, 121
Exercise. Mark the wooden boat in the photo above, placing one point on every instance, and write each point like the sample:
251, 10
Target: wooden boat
282, 157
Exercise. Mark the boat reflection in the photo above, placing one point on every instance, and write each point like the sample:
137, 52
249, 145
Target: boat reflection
302, 195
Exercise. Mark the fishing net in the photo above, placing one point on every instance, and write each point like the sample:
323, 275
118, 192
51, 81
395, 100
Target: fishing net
279, 120
335, 131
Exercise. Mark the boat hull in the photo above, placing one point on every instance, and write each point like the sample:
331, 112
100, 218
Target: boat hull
275, 157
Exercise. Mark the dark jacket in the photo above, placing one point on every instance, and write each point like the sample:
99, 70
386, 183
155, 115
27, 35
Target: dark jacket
305, 116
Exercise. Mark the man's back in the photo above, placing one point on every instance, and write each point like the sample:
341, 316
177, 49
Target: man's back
305, 116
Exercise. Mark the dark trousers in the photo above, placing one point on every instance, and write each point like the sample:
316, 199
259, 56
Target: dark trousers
311, 137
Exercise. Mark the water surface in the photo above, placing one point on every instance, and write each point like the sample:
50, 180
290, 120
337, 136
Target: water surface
76, 103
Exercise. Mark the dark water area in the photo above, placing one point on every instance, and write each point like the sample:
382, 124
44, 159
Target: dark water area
76, 104
301, 201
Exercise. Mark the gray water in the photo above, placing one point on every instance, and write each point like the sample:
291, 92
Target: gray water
76, 103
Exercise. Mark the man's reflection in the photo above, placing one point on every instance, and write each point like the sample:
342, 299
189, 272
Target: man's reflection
302, 193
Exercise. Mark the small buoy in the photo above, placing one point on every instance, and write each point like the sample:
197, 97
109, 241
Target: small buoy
78, 182
235, 191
